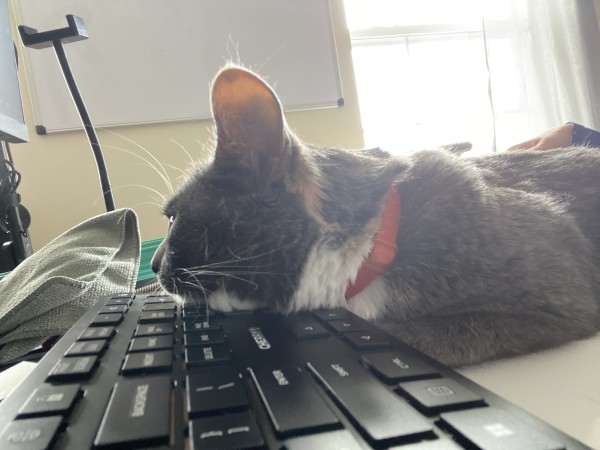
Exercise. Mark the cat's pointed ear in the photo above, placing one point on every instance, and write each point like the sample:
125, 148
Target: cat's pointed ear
251, 131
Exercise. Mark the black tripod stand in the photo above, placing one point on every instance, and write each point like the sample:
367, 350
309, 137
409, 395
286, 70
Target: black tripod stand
75, 31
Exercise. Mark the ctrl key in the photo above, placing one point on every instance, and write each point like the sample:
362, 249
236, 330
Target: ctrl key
30, 434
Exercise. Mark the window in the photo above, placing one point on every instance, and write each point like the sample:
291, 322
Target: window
421, 71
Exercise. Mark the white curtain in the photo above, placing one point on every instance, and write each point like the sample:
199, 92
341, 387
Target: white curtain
554, 75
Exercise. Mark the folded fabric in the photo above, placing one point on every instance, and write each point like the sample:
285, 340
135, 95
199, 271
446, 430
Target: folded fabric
49, 291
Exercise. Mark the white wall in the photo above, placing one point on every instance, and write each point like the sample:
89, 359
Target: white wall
60, 185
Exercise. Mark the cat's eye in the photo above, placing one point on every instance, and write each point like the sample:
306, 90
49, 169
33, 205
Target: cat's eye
171, 219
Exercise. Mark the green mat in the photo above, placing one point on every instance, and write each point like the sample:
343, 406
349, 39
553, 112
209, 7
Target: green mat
148, 249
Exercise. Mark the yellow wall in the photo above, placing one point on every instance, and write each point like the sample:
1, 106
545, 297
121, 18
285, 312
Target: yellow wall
60, 185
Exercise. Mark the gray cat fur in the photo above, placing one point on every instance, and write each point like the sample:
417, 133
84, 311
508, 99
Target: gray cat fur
497, 255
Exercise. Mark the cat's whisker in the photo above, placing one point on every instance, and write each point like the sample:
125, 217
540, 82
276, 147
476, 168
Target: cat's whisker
182, 173
205, 244
162, 197
232, 275
205, 291
245, 258
163, 174
159, 167
233, 266
184, 150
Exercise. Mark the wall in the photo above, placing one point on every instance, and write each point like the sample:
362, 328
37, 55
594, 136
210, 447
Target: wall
60, 184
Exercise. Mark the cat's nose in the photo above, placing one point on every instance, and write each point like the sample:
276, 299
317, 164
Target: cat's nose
157, 258
155, 266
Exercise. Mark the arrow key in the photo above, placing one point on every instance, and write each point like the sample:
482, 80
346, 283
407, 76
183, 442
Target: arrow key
303, 326
367, 340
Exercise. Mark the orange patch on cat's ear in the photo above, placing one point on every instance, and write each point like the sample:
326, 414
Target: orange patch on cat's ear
236, 91
250, 124
252, 138
305, 180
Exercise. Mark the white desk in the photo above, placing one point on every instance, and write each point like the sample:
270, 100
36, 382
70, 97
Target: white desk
560, 386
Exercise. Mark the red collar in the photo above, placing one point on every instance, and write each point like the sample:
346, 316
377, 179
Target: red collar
384, 245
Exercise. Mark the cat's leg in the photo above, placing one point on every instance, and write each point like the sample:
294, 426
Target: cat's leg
472, 338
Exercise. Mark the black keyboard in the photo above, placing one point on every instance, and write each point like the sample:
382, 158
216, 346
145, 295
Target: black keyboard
144, 372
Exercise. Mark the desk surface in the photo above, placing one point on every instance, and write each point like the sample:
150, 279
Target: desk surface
560, 386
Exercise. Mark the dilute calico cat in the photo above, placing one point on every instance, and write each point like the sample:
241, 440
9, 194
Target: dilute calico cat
489, 257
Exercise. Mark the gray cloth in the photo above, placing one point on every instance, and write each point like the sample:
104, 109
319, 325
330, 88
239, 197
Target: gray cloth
48, 292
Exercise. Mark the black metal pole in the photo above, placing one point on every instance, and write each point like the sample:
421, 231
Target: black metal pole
87, 123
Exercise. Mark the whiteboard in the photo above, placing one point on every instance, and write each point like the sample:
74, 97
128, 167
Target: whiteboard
153, 60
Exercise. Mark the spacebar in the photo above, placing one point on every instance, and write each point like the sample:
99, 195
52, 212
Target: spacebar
137, 413
382, 416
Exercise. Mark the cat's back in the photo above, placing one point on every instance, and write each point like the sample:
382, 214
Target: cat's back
567, 176
573, 169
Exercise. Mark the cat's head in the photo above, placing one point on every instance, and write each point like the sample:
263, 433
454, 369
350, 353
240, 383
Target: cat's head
242, 227
263, 224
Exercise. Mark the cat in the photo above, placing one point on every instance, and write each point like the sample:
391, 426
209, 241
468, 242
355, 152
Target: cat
495, 256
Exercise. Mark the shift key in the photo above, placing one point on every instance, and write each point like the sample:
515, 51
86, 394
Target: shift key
292, 400
136, 413
382, 417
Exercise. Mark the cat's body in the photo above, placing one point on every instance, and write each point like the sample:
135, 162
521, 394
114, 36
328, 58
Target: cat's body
497, 255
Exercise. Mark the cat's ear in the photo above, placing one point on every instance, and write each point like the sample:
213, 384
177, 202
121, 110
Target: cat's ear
251, 133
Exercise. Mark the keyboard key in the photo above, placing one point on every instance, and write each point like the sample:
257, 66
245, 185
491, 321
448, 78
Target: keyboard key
440, 394
165, 306
438, 444
492, 429
291, 400
205, 355
150, 343
214, 389
119, 301
204, 338
126, 295
333, 314
368, 340
51, 401
394, 367
30, 434
347, 325
148, 362
158, 298
332, 440
191, 326
81, 348
156, 317
113, 309
382, 418
102, 320
96, 333
137, 413
73, 368
154, 329
304, 327
231, 431
194, 313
